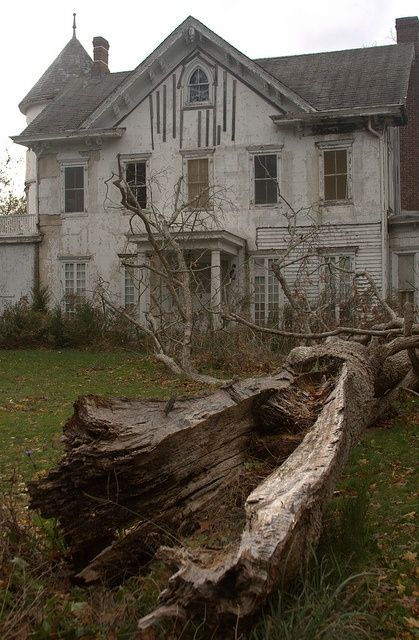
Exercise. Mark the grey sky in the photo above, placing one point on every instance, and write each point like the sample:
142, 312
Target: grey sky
33, 33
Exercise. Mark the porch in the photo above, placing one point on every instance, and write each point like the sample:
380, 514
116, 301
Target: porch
218, 259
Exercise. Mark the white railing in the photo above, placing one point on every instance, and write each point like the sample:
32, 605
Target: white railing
18, 225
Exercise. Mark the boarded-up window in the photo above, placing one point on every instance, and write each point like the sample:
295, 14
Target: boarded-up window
198, 183
266, 179
136, 175
335, 164
73, 189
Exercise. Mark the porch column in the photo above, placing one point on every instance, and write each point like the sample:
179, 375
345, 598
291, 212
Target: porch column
215, 285
143, 287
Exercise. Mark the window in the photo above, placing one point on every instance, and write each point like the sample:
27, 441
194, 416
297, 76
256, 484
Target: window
338, 285
335, 174
136, 175
266, 179
406, 277
74, 189
74, 283
198, 183
335, 170
266, 292
130, 288
198, 87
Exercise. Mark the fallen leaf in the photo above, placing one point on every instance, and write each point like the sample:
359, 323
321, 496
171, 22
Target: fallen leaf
412, 623
410, 556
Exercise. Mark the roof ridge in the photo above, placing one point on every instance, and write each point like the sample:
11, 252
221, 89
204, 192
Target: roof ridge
336, 51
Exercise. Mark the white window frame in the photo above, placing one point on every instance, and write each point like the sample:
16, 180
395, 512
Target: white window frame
199, 64
264, 150
267, 259
395, 272
76, 292
134, 158
64, 164
198, 154
336, 145
337, 254
125, 269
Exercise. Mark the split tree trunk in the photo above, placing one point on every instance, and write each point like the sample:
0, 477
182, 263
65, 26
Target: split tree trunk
137, 474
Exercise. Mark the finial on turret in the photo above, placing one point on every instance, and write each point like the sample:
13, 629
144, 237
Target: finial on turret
74, 25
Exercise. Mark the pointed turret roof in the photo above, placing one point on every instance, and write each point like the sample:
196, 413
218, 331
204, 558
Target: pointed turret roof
72, 62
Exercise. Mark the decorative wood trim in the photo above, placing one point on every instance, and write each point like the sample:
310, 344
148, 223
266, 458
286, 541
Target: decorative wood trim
224, 100
199, 127
218, 134
233, 111
158, 111
174, 105
181, 121
164, 111
214, 117
207, 113
150, 102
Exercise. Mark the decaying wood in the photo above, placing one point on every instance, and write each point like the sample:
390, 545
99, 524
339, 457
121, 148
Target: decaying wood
137, 480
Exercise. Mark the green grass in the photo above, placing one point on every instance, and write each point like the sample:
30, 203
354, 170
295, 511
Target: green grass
369, 526
38, 388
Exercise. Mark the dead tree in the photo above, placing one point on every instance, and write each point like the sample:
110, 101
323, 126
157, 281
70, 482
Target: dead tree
143, 479
170, 319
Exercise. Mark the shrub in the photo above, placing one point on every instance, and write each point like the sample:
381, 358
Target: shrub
22, 326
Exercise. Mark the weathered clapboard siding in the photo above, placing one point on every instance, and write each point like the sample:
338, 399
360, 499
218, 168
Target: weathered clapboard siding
363, 241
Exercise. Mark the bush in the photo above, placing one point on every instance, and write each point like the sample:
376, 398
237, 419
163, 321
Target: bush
22, 326
25, 325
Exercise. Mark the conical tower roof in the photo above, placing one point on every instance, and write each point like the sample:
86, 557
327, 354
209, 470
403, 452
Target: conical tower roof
72, 62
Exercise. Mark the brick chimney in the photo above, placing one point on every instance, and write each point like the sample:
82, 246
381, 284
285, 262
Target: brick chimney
408, 31
100, 57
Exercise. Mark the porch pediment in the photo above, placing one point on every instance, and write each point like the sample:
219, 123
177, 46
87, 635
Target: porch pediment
218, 240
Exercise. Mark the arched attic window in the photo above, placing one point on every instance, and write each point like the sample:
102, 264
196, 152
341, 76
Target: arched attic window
198, 86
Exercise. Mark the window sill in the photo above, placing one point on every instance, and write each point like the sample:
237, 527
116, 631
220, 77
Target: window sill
197, 105
74, 214
126, 212
335, 203
267, 205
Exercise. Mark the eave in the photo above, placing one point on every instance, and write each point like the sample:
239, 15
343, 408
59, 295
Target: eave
395, 113
71, 135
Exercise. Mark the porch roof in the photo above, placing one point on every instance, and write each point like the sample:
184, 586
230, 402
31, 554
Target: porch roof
218, 240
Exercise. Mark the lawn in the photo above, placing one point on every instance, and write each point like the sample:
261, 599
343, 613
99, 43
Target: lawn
369, 527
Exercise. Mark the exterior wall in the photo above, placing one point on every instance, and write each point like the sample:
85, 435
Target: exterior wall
408, 31
404, 239
229, 132
17, 272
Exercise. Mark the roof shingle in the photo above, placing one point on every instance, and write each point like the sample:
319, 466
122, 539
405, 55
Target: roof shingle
72, 62
373, 76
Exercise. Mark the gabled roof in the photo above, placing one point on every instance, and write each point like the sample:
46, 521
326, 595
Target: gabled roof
312, 83
368, 77
72, 62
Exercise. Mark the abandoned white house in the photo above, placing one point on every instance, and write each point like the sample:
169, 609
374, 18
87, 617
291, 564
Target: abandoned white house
324, 128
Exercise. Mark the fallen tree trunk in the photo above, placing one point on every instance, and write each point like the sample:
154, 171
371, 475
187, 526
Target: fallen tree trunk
142, 474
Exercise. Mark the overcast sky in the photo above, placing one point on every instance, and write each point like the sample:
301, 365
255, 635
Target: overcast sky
33, 33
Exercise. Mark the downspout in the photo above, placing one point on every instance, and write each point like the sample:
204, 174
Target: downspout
384, 221
36, 266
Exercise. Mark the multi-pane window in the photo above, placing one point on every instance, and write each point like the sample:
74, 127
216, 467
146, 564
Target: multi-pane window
129, 287
136, 177
266, 179
338, 284
198, 86
335, 168
406, 277
266, 292
74, 283
198, 183
73, 189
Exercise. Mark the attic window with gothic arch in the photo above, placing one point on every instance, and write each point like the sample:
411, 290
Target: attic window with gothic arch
198, 87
